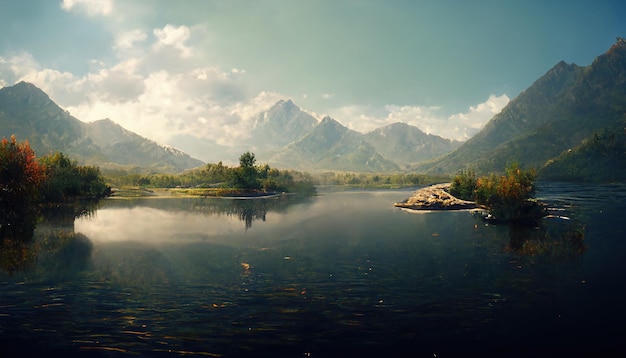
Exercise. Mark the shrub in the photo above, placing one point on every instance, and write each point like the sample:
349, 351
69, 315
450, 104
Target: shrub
66, 180
507, 197
20, 173
20, 181
464, 185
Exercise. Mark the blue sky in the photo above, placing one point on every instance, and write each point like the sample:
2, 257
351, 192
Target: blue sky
203, 68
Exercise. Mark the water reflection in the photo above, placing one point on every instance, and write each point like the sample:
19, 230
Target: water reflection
42, 235
553, 238
182, 219
46, 238
17, 225
342, 274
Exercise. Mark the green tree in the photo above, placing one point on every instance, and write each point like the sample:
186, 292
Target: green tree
66, 180
464, 185
508, 197
247, 160
246, 176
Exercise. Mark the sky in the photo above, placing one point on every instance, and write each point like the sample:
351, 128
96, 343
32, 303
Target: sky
202, 69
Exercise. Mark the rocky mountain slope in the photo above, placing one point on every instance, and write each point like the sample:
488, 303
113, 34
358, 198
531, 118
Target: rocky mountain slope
555, 114
284, 136
331, 146
407, 144
328, 145
29, 114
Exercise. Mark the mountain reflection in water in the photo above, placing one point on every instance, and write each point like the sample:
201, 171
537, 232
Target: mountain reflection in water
340, 274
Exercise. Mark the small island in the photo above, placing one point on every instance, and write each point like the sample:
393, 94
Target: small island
248, 180
506, 198
435, 197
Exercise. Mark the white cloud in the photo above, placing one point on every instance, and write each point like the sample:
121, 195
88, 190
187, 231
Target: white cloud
22, 67
365, 118
158, 92
213, 84
160, 87
91, 7
115, 85
465, 125
174, 36
14, 67
128, 39
460, 126
64, 85
168, 106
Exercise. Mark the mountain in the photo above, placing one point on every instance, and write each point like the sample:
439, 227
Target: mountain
331, 146
292, 138
556, 113
407, 144
598, 159
30, 114
280, 125
284, 136
270, 131
126, 148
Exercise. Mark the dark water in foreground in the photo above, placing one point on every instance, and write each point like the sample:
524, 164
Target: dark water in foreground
340, 274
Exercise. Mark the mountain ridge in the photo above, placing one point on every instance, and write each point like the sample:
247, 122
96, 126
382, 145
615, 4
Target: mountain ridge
284, 136
556, 113
309, 144
28, 113
332, 146
409, 144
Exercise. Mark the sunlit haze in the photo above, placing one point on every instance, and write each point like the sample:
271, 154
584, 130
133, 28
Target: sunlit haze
203, 69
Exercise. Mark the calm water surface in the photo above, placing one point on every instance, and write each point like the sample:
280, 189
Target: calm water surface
340, 274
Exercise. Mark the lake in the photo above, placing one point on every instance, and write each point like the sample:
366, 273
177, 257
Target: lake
339, 274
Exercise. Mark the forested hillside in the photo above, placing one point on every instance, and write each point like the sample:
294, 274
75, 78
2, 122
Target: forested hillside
555, 114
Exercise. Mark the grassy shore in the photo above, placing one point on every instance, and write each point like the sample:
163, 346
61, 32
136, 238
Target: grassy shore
138, 192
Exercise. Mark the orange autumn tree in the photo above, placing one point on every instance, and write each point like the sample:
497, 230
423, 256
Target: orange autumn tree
20, 173
507, 197
20, 180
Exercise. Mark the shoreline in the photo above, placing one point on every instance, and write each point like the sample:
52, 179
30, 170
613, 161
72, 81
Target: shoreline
131, 193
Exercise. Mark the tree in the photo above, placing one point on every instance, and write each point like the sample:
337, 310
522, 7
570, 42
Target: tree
66, 180
20, 180
20, 173
507, 197
247, 160
246, 176
464, 185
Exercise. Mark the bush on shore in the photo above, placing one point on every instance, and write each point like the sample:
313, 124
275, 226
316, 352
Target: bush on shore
508, 197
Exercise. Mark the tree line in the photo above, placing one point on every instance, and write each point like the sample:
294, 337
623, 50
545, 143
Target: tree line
378, 180
250, 176
52, 178
26, 182
247, 177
